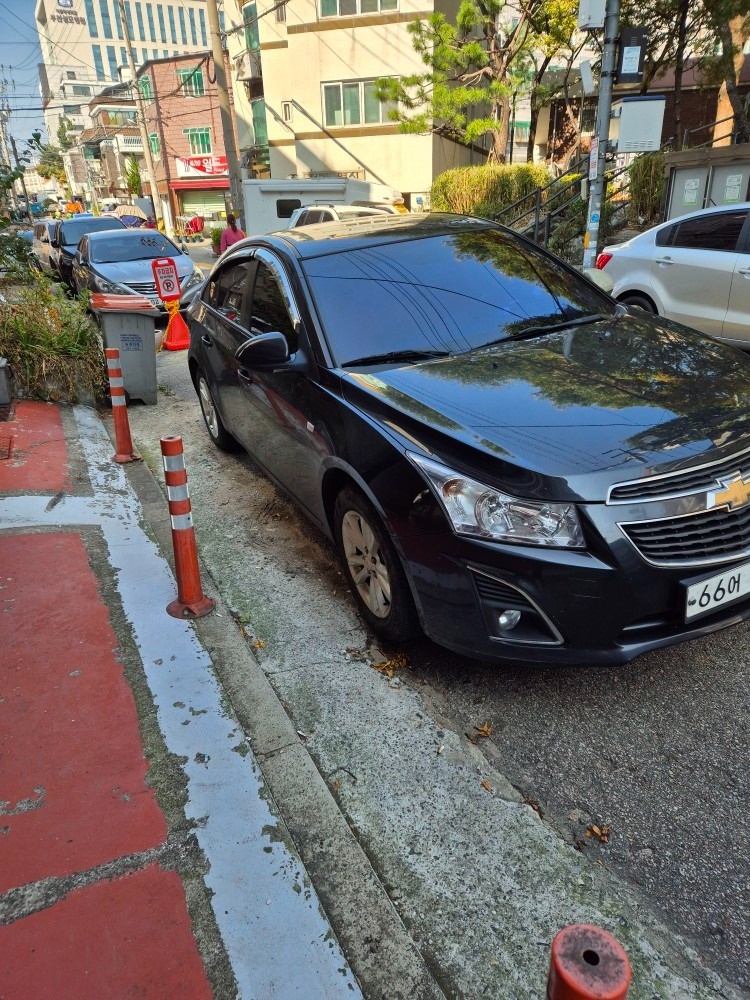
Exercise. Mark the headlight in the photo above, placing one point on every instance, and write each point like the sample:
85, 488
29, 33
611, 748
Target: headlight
196, 278
111, 287
483, 512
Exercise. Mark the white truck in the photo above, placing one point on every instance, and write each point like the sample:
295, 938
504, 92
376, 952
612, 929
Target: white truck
269, 204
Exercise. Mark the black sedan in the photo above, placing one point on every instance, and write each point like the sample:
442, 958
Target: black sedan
503, 455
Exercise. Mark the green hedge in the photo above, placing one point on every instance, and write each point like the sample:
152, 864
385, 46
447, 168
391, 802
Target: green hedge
646, 188
485, 190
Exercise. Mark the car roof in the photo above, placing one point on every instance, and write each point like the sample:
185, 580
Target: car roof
124, 233
353, 234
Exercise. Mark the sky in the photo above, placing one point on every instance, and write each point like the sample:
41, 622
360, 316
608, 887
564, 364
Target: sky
19, 77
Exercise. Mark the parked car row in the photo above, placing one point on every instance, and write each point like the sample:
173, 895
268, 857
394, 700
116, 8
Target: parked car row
504, 456
101, 254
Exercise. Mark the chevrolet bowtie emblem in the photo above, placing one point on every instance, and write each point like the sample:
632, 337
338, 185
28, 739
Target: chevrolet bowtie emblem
736, 493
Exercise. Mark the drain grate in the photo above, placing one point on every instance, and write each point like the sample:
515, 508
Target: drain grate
6, 444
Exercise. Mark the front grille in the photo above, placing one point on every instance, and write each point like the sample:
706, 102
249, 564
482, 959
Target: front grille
142, 287
718, 535
691, 481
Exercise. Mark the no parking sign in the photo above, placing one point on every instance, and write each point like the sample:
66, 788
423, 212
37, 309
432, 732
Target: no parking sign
167, 281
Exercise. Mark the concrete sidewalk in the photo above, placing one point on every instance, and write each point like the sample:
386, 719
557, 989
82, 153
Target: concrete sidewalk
140, 852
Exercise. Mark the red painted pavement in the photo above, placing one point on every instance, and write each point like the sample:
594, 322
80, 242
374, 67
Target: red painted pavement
126, 938
71, 765
39, 458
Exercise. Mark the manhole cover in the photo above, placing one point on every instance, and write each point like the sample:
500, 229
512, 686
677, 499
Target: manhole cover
6, 443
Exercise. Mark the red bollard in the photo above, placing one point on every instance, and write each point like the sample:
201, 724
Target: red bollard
191, 602
123, 443
587, 963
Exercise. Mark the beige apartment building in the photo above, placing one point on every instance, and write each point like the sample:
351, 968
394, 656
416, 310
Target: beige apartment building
308, 68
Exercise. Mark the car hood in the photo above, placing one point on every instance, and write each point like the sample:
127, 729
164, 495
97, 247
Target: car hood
139, 270
578, 409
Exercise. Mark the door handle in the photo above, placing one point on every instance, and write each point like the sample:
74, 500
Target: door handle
743, 270
205, 339
664, 260
245, 375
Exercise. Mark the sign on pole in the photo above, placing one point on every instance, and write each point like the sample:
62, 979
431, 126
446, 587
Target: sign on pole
166, 278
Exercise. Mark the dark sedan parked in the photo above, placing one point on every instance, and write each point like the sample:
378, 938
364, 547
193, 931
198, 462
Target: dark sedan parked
68, 233
502, 454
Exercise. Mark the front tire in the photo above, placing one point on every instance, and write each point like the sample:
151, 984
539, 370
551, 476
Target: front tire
372, 568
214, 424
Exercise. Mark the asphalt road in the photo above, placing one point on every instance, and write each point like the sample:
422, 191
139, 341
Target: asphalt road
654, 753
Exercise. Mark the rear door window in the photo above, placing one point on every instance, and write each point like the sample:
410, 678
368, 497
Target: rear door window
228, 290
720, 231
270, 313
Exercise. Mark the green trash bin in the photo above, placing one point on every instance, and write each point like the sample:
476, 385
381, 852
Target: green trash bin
128, 322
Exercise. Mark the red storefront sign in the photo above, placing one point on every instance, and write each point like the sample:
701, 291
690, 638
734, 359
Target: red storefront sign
213, 165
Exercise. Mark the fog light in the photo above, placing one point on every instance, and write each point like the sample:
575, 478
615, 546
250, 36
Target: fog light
508, 620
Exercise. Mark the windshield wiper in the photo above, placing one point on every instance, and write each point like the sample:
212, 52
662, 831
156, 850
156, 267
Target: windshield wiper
566, 324
374, 359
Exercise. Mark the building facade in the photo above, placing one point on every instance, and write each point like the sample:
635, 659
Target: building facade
83, 47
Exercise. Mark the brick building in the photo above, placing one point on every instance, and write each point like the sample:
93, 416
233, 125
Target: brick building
184, 126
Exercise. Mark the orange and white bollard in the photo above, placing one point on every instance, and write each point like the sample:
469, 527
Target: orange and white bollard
123, 442
587, 963
191, 602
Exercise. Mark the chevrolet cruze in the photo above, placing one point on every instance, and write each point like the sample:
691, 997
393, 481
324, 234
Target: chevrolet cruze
504, 456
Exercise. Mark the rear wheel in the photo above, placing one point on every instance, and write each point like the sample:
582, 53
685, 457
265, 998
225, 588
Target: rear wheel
373, 569
642, 301
214, 424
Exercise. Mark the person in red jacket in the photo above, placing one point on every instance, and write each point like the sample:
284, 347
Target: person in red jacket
232, 234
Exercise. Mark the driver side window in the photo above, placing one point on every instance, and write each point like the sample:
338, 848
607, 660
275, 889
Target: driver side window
228, 290
269, 311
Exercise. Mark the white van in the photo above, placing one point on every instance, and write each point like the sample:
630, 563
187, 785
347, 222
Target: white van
269, 204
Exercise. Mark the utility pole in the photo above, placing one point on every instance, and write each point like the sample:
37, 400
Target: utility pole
141, 105
5, 153
604, 110
227, 126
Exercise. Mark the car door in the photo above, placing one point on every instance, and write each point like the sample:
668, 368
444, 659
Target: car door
80, 270
737, 320
693, 265
223, 329
284, 408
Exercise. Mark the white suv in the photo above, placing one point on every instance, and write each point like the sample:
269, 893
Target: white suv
309, 215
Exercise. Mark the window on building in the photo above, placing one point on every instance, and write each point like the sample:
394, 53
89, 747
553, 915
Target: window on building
199, 139
183, 32
80, 90
193, 32
250, 20
281, 14
286, 110
91, 18
165, 53
129, 19
72, 109
162, 24
106, 22
221, 20
150, 19
588, 119
145, 55
139, 19
353, 102
70, 74
155, 53
118, 20
112, 62
191, 82
145, 84
96, 51
343, 8
123, 56
153, 141
172, 25
202, 20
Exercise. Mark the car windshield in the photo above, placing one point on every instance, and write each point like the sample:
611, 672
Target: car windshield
444, 294
71, 232
127, 246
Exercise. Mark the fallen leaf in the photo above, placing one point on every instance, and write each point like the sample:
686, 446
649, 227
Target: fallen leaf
336, 785
389, 667
534, 805
471, 738
487, 786
485, 729
259, 644
600, 832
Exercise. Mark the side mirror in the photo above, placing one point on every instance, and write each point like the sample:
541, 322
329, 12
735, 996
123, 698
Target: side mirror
599, 278
54, 243
265, 350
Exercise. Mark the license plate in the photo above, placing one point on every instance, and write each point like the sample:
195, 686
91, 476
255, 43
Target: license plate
724, 588
155, 300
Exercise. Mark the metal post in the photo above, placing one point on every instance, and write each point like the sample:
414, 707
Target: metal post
22, 179
141, 105
604, 110
227, 126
